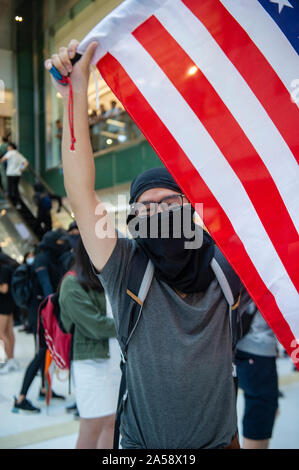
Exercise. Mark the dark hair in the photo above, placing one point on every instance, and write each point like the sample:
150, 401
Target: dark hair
11, 144
27, 254
82, 266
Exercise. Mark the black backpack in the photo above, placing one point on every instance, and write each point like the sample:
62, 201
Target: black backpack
140, 275
22, 285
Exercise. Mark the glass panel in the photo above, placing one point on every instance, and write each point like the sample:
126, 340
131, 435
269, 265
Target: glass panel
15, 237
111, 128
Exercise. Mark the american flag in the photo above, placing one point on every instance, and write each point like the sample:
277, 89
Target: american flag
214, 87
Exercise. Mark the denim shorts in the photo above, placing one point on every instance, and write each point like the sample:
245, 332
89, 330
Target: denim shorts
257, 376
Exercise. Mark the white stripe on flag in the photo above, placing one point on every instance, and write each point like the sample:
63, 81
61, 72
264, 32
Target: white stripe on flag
209, 161
201, 47
120, 22
268, 37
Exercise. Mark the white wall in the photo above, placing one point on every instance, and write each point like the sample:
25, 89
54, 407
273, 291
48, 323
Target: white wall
77, 29
85, 21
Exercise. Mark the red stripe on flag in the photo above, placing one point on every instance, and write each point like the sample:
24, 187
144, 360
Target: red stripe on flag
196, 190
247, 59
229, 137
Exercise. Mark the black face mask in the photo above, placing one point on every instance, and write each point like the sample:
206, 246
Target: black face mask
182, 260
59, 249
73, 241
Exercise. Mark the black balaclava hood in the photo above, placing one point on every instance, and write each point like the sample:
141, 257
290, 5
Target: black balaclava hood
49, 244
39, 188
153, 178
185, 269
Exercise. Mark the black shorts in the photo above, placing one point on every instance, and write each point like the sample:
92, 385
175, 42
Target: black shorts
257, 377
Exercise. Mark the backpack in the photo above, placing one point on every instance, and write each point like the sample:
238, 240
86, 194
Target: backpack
50, 326
22, 285
44, 201
140, 275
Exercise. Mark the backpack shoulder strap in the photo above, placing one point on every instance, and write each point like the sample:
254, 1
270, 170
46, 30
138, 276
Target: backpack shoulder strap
227, 278
140, 275
231, 287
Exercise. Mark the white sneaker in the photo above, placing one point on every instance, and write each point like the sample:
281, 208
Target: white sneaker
11, 366
16, 364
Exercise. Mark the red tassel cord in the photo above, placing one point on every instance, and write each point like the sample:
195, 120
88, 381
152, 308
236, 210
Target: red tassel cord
68, 81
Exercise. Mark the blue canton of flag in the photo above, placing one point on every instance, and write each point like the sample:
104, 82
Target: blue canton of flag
285, 13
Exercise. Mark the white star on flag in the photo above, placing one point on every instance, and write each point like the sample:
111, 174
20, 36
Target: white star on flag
281, 4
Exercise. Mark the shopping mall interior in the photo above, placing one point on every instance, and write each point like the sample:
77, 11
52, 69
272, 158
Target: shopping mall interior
31, 116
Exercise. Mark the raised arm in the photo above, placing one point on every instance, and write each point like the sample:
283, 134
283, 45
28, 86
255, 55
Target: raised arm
78, 165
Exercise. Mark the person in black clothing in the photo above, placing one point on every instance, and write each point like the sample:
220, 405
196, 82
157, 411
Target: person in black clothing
49, 268
43, 200
12, 264
27, 292
3, 150
73, 235
7, 307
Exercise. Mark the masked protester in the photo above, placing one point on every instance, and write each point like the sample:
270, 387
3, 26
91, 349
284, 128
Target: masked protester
183, 336
73, 235
180, 388
49, 269
43, 200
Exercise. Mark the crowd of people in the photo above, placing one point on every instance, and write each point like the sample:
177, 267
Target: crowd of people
60, 263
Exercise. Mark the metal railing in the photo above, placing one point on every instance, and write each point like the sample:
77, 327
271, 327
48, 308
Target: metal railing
110, 130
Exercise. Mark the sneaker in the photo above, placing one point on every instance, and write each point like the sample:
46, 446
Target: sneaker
10, 366
25, 406
16, 364
42, 396
71, 409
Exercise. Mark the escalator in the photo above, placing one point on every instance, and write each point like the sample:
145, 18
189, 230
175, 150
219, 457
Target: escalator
16, 238
61, 215
19, 230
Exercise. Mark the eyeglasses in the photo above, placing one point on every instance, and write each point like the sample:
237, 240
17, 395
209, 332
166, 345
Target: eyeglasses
149, 208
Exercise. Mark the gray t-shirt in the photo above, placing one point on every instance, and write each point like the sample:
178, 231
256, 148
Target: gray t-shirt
179, 373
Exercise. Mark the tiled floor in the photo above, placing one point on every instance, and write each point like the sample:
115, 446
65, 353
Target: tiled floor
54, 429
34, 431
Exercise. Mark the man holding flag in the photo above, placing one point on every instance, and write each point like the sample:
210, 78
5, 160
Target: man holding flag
180, 390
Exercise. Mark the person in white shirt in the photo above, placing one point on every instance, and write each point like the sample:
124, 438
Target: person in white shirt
16, 165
